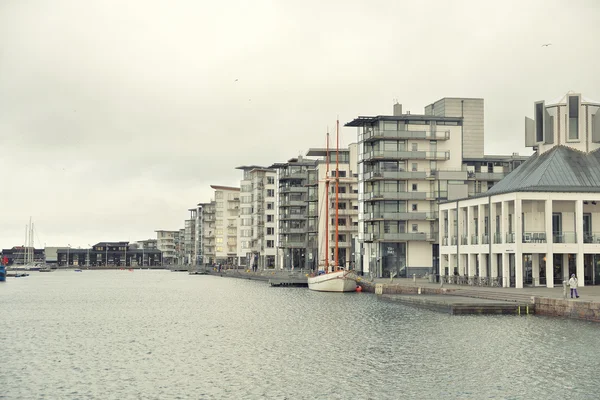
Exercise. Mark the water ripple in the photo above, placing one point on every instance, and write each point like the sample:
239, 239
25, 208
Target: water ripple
161, 335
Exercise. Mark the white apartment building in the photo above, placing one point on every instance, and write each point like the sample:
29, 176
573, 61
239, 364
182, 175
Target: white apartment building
347, 206
165, 242
541, 223
208, 221
257, 230
407, 164
227, 203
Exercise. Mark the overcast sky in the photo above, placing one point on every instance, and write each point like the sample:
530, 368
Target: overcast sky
117, 115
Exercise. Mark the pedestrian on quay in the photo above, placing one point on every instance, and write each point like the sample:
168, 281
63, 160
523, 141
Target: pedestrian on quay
573, 285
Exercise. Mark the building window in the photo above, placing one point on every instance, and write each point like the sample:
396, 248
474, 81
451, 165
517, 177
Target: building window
573, 117
270, 180
414, 207
414, 166
415, 187
269, 218
415, 147
270, 231
270, 206
539, 122
415, 228
270, 192
270, 244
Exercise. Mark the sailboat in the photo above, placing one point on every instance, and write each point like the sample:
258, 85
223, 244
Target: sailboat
332, 277
29, 263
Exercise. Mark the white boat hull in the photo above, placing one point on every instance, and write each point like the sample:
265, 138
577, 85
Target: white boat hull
340, 281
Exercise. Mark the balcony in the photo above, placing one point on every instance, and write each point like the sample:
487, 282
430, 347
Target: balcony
497, 238
292, 216
464, 240
401, 237
403, 155
292, 203
397, 216
395, 196
292, 189
490, 176
293, 244
591, 238
293, 175
285, 230
564, 237
534, 237
384, 134
394, 175
485, 239
510, 237
474, 239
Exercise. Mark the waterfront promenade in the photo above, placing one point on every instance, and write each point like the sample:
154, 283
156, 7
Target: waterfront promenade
544, 301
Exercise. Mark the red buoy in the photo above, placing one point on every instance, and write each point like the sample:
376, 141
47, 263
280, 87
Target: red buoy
359, 288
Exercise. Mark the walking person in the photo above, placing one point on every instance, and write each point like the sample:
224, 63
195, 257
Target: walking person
573, 285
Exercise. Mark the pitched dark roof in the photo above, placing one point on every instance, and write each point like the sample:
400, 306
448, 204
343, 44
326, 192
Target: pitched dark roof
561, 169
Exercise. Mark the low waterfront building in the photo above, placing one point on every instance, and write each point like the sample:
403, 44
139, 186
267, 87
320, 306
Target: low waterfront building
541, 223
111, 254
21, 255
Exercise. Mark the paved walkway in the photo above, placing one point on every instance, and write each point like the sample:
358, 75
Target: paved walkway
587, 293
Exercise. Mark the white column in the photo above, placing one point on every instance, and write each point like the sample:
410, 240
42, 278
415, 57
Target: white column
494, 265
565, 267
450, 226
535, 268
471, 271
518, 244
451, 263
480, 218
505, 270
504, 221
579, 234
482, 265
549, 244
469, 223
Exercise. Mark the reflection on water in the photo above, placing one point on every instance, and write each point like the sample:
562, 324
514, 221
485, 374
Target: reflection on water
157, 334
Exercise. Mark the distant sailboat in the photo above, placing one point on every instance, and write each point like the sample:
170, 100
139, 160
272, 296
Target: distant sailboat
332, 278
29, 263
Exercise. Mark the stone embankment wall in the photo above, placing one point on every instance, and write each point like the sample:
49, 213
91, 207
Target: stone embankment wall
585, 310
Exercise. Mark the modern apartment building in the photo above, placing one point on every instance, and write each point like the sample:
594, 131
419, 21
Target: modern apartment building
292, 204
227, 204
189, 238
208, 232
257, 230
540, 224
347, 227
165, 242
199, 235
407, 164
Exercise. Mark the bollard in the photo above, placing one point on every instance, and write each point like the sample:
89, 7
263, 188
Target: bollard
415, 278
565, 289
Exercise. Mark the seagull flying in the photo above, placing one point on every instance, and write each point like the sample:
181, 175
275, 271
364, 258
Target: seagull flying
236, 80
547, 44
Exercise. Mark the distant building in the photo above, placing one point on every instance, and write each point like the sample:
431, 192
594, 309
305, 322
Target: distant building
111, 254
165, 242
148, 244
257, 229
541, 223
227, 204
18, 255
208, 221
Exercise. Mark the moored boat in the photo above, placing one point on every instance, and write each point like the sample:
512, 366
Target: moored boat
337, 281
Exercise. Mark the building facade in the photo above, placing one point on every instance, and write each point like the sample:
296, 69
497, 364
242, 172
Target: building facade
540, 224
292, 209
166, 243
257, 231
208, 233
109, 254
227, 205
407, 164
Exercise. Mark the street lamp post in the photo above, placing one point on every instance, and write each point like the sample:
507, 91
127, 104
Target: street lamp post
68, 248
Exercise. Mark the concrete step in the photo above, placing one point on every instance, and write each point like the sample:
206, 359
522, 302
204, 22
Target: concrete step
491, 295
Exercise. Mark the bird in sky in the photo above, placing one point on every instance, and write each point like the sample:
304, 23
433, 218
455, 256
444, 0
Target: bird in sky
547, 44
236, 80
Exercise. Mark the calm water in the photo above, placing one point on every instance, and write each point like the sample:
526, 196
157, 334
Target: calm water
163, 335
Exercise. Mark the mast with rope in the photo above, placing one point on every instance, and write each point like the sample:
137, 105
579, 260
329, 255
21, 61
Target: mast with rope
327, 207
337, 192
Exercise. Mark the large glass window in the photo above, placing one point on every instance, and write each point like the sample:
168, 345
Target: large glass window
539, 122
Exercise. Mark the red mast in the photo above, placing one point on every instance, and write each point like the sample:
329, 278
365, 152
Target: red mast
327, 207
337, 190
